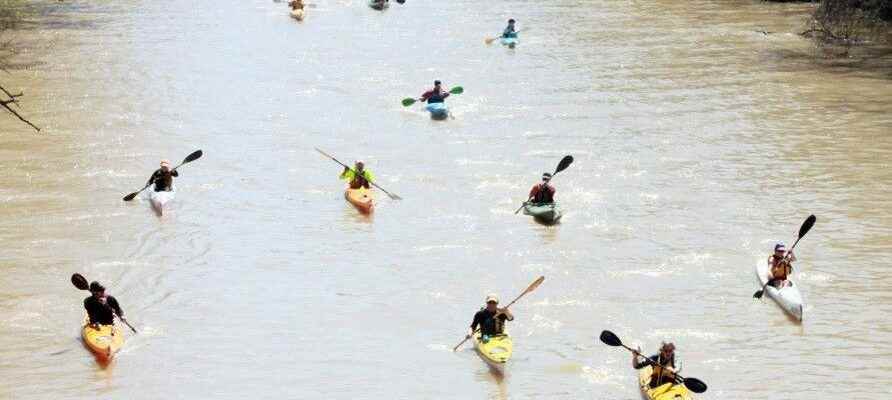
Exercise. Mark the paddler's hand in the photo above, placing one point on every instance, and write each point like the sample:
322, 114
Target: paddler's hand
467, 337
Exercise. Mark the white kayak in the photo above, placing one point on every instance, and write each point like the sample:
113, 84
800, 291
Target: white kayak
160, 199
787, 297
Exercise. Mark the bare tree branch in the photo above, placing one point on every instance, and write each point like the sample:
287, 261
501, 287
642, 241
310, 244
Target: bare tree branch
12, 99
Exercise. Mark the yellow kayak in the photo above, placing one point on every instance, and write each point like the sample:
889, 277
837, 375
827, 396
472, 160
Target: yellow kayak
667, 391
103, 342
496, 351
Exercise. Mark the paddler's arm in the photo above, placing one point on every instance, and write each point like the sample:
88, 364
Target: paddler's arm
638, 365
474, 324
507, 314
152, 178
113, 303
347, 174
174, 172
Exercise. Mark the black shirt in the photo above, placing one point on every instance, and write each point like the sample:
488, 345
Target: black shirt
102, 314
163, 180
488, 325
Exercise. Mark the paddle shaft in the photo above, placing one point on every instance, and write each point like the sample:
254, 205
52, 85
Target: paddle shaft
392, 196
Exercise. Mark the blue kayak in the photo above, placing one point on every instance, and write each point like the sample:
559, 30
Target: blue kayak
437, 110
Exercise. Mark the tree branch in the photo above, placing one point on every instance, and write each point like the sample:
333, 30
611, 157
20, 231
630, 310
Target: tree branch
12, 99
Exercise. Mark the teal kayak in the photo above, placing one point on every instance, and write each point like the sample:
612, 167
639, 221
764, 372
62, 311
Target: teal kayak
548, 213
437, 110
510, 42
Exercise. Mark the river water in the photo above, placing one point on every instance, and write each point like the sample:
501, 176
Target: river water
698, 143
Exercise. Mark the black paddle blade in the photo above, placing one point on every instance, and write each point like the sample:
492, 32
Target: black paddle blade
610, 339
194, 156
758, 295
80, 282
565, 162
130, 196
806, 226
695, 385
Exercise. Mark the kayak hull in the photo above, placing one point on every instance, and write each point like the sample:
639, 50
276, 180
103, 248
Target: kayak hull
667, 391
510, 42
788, 297
548, 213
438, 110
297, 14
494, 350
363, 199
103, 342
378, 5
160, 199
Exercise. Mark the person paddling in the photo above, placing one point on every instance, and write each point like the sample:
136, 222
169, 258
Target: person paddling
435, 95
163, 177
781, 265
101, 308
542, 193
359, 177
664, 369
491, 319
509, 32
296, 4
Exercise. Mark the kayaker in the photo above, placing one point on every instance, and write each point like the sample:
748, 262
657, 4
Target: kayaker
296, 4
491, 319
435, 95
664, 370
360, 178
781, 264
101, 308
509, 31
542, 193
163, 177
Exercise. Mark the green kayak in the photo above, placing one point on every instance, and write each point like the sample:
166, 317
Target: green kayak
548, 213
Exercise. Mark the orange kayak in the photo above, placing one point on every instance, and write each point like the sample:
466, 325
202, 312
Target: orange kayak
104, 342
362, 199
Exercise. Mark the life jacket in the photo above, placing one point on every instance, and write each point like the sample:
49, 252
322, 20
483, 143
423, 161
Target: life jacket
359, 181
545, 194
659, 376
780, 268
163, 181
492, 325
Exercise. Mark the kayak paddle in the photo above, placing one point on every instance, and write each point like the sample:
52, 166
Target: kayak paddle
694, 384
191, 157
391, 195
408, 101
529, 289
81, 283
565, 162
806, 226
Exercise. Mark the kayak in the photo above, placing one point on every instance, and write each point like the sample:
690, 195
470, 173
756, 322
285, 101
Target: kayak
362, 198
666, 391
103, 342
378, 5
548, 213
787, 297
160, 199
297, 14
510, 42
438, 110
495, 350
